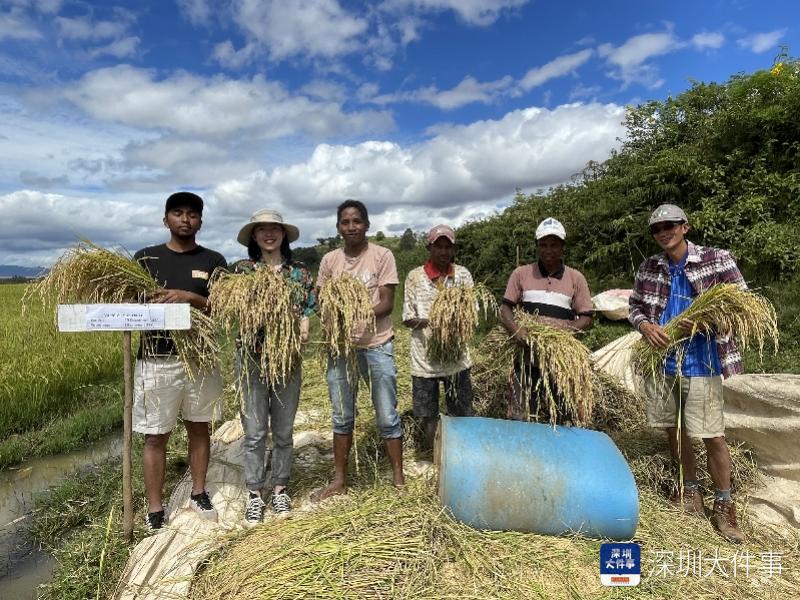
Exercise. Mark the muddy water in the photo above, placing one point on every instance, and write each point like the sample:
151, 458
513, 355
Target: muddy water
22, 566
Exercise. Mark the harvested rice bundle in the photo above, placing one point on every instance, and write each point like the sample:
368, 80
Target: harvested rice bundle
648, 455
453, 318
197, 347
491, 373
88, 273
261, 304
374, 544
563, 362
345, 309
616, 408
726, 310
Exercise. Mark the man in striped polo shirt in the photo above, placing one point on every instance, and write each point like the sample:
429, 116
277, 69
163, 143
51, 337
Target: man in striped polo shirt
557, 294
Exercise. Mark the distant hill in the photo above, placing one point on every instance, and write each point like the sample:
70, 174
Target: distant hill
8, 271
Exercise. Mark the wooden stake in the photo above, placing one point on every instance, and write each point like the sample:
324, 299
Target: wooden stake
127, 435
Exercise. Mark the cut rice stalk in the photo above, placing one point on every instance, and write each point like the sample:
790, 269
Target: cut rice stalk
726, 310
565, 383
563, 362
453, 318
261, 304
90, 274
345, 312
87, 273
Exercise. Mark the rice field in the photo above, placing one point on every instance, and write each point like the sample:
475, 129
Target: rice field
47, 377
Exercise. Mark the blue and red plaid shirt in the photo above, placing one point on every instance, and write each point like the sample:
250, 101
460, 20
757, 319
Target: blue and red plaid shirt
705, 268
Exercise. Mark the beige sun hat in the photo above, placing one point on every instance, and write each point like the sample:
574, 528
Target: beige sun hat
266, 215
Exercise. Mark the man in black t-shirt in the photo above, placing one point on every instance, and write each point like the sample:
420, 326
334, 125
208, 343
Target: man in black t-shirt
162, 387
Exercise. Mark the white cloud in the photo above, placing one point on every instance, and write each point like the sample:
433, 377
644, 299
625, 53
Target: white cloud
189, 105
83, 28
228, 56
468, 91
16, 26
45, 224
628, 61
462, 167
409, 28
45, 7
639, 48
582, 92
474, 12
461, 172
708, 40
325, 90
761, 42
122, 48
43, 143
557, 67
314, 28
197, 11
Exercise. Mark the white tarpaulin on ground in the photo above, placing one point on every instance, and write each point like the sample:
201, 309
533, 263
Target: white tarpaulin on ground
761, 410
163, 564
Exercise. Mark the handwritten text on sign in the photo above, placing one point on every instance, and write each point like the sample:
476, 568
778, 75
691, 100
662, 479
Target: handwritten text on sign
124, 317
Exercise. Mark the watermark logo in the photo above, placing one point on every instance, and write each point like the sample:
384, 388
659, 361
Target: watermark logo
620, 564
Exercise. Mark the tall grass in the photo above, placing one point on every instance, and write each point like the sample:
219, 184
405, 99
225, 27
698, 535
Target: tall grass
44, 373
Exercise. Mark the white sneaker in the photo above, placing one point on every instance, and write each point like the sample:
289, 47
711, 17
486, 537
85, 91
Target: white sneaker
280, 502
254, 512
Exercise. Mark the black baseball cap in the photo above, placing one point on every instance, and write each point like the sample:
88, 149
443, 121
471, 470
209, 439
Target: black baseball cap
183, 199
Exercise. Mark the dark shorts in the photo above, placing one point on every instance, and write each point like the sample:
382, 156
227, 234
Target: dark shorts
457, 393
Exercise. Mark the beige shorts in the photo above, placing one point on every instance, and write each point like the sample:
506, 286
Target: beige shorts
162, 390
701, 401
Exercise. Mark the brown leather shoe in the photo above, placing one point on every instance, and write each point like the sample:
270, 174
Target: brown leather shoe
691, 502
724, 521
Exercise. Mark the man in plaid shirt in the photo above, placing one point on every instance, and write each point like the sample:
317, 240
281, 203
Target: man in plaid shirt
665, 286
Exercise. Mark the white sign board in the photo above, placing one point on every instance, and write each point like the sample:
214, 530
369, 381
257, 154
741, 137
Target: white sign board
123, 317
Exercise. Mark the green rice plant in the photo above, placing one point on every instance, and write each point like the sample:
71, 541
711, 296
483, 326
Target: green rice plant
724, 310
454, 315
47, 376
260, 305
345, 310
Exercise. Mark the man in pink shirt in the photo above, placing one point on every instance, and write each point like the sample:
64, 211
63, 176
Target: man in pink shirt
375, 266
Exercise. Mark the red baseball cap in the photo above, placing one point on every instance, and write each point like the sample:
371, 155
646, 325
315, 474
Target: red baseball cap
442, 231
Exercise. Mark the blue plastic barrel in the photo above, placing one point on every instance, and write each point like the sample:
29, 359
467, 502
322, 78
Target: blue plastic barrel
514, 475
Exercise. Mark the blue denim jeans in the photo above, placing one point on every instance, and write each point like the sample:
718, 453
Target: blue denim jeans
264, 406
376, 366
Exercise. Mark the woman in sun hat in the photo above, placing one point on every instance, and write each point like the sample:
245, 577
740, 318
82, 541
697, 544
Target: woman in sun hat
265, 404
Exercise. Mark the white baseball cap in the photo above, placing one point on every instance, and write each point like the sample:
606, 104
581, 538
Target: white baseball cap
551, 226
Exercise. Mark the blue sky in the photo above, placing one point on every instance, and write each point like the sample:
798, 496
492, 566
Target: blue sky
427, 110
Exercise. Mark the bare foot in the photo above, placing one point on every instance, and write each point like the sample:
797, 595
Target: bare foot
398, 479
335, 488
